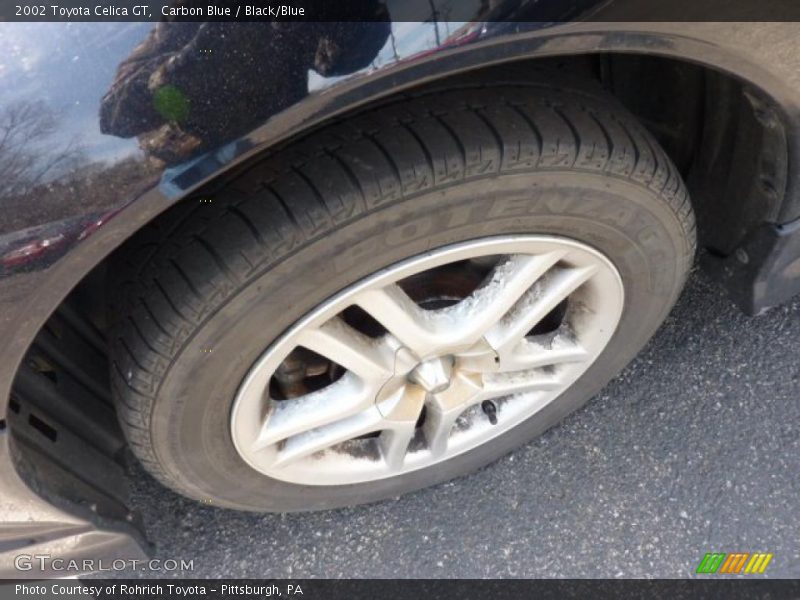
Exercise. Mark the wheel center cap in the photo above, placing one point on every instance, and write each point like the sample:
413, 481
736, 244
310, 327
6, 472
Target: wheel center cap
433, 375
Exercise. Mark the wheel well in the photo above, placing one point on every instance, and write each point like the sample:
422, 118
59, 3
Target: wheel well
724, 136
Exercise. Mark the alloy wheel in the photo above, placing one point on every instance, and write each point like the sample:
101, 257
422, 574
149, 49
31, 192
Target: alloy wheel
426, 359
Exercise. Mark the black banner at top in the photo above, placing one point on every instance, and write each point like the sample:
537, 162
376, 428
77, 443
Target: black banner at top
453, 11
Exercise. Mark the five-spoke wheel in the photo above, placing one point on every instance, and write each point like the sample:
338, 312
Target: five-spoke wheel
402, 382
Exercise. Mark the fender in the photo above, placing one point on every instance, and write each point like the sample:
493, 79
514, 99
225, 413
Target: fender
87, 236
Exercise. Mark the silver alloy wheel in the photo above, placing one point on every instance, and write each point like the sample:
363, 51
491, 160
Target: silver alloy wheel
417, 394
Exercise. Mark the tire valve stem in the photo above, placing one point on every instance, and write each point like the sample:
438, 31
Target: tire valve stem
490, 410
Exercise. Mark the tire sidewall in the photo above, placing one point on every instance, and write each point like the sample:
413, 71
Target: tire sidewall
629, 223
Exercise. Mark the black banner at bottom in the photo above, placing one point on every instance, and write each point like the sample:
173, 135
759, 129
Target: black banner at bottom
401, 589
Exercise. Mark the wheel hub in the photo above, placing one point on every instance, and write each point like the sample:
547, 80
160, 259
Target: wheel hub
426, 381
433, 375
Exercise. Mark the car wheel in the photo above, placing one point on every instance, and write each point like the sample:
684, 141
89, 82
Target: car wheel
398, 299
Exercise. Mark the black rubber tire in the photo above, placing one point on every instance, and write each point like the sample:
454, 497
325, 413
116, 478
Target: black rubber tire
200, 294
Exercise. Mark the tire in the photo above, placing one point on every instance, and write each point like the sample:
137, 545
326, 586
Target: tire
200, 294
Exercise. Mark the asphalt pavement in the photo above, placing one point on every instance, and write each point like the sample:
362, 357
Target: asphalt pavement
693, 448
